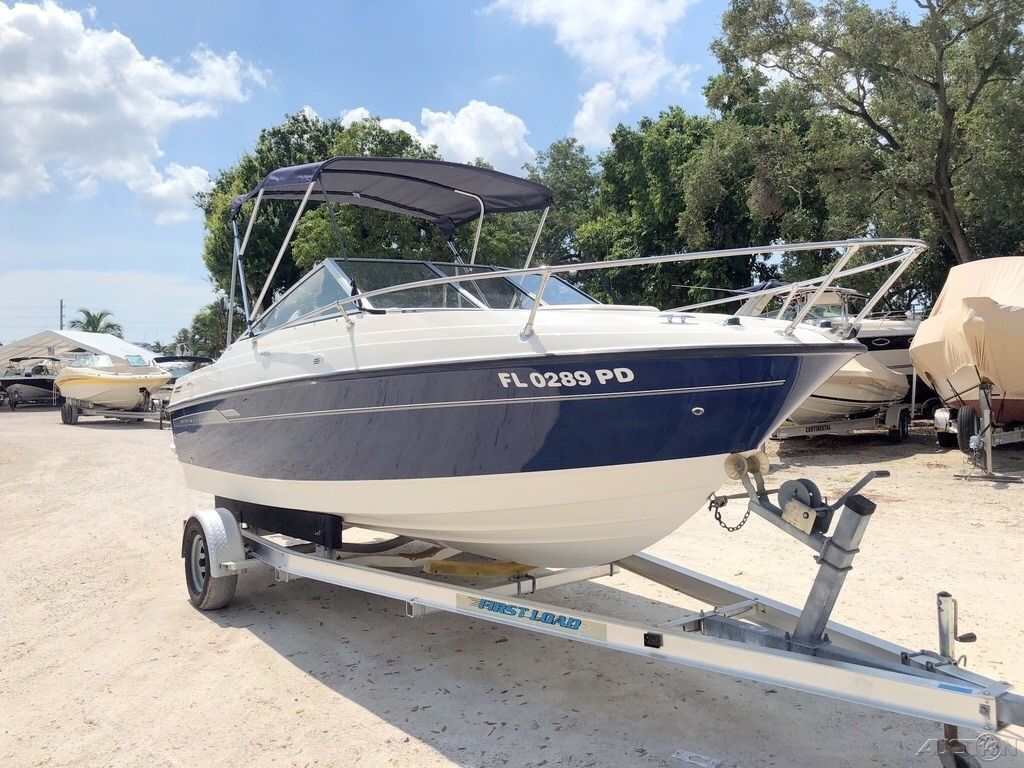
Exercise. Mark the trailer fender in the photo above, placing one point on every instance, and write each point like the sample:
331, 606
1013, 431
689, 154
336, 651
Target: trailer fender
892, 414
223, 540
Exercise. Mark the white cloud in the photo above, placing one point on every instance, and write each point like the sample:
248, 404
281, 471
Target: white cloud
621, 45
145, 315
80, 106
477, 130
598, 109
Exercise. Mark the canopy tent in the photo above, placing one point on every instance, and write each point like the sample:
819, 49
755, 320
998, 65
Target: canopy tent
447, 195
59, 343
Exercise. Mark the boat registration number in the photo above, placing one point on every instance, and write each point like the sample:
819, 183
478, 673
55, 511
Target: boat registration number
543, 379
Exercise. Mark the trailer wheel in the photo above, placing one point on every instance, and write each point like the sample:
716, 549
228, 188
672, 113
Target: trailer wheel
901, 431
205, 591
968, 424
946, 439
12, 401
65, 414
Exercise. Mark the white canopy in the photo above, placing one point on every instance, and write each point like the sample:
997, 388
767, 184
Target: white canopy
58, 343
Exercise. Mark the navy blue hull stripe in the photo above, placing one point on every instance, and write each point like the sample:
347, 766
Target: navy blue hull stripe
229, 419
462, 420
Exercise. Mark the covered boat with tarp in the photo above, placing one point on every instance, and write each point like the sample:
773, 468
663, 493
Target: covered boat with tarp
974, 338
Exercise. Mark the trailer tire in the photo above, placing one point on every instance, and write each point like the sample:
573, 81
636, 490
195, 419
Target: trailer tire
65, 414
205, 591
968, 424
12, 401
901, 431
946, 439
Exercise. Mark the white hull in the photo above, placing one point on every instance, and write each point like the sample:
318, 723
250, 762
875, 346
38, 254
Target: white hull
108, 391
559, 518
860, 386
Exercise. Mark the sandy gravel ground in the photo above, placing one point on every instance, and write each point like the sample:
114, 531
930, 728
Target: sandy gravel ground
103, 662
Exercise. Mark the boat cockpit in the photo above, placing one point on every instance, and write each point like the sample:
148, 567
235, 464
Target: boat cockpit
318, 294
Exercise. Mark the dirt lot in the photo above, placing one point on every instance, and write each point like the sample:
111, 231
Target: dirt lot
103, 662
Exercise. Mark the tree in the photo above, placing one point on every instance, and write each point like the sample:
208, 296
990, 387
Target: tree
567, 170
96, 322
207, 333
925, 92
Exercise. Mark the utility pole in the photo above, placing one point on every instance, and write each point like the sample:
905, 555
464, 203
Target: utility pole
62, 314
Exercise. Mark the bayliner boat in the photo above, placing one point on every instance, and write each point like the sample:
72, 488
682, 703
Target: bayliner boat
500, 412
29, 381
975, 337
110, 382
887, 335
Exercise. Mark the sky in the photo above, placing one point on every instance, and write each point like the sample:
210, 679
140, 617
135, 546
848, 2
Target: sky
113, 114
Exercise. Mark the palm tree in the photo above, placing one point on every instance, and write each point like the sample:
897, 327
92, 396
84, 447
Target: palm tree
96, 322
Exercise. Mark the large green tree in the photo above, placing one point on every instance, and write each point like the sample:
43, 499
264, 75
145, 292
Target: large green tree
930, 94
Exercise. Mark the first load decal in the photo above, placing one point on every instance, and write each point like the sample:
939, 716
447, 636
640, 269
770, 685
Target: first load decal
533, 618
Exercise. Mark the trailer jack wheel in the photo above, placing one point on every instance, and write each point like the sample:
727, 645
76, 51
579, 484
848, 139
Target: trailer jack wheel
205, 590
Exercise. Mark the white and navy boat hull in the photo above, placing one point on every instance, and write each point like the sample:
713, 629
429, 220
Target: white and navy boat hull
550, 459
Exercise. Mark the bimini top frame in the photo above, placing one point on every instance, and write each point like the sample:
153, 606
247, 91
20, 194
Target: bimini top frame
444, 194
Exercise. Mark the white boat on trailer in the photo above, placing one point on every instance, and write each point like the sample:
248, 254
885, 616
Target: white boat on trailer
500, 412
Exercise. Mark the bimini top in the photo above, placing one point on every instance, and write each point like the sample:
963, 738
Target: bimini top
445, 194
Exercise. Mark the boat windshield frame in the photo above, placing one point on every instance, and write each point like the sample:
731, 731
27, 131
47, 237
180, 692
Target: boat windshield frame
334, 267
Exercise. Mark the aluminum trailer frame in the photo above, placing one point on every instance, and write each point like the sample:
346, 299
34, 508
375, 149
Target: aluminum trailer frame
72, 409
743, 634
888, 418
978, 446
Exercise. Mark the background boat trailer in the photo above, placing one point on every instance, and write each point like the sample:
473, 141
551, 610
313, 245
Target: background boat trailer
742, 634
153, 410
976, 435
895, 419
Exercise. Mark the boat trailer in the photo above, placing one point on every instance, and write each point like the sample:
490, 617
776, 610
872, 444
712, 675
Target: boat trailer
150, 410
976, 435
894, 419
739, 633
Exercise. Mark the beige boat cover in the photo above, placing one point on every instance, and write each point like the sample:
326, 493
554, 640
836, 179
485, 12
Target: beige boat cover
978, 320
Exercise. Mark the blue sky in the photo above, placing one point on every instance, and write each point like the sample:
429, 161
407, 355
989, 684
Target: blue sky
111, 113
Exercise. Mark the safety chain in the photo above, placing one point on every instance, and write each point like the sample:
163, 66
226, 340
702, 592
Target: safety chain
715, 504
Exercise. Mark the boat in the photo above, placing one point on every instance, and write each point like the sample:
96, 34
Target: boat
974, 338
177, 366
886, 335
502, 412
866, 385
29, 381
106, 381
862, 386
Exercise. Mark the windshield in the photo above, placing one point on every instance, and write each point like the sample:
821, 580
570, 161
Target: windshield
317, 290
495, 294
374, 274
557, 291
93, 361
